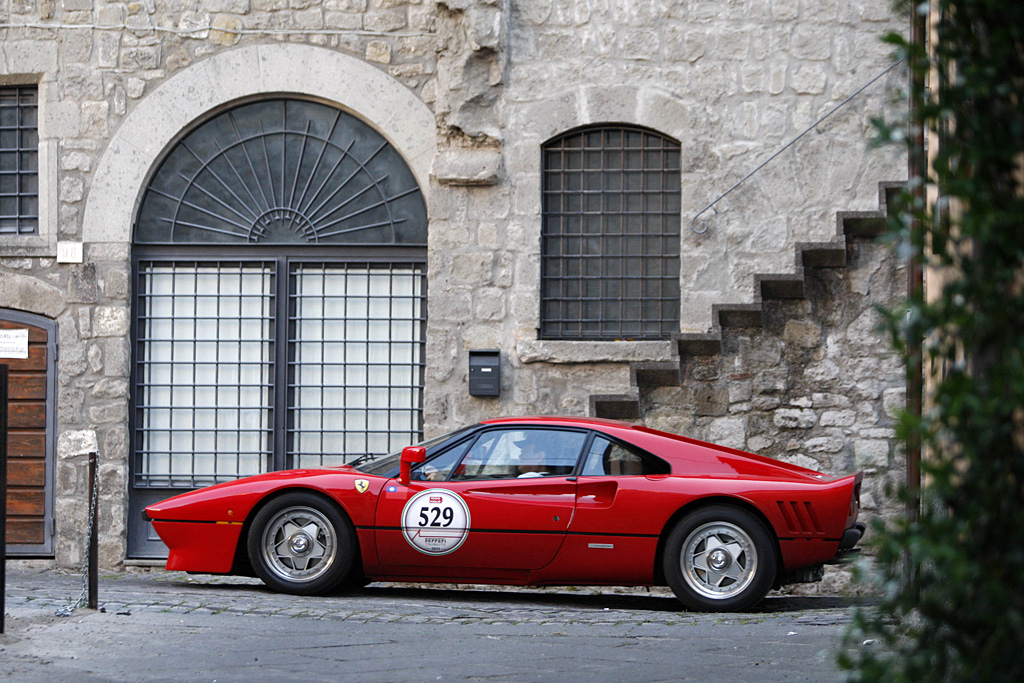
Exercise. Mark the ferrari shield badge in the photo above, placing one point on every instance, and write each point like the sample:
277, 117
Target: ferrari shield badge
435, 521
362, 485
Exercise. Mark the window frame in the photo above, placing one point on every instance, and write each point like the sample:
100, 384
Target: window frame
468, 444
229, 181
23, 102
660, 465
567, 302
43, 242
280, 361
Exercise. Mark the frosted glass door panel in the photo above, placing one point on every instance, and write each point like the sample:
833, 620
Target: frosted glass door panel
356, 363
203, 396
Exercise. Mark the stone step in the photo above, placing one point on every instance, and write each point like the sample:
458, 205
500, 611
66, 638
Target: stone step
863, 223
783, 286
655, 374
738, 315
700, 344
822, 254
615, 406
849, 225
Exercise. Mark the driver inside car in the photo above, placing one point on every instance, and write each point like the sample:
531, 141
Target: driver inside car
532, 460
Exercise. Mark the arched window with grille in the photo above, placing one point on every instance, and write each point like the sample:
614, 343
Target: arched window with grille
610, 235
280, 301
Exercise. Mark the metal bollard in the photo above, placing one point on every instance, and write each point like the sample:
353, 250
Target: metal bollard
93, 535
90, 572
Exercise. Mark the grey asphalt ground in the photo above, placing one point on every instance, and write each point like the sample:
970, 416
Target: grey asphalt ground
168, 626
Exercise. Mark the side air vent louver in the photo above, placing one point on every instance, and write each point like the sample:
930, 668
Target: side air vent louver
800, 518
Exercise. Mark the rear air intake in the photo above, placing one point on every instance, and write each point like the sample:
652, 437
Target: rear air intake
800, 518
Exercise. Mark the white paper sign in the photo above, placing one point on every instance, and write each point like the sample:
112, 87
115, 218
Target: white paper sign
13, 343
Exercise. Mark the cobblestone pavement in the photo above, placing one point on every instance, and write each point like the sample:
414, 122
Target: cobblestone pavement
169, 626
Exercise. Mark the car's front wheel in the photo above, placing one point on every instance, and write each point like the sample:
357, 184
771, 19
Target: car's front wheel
300, 543
720, 558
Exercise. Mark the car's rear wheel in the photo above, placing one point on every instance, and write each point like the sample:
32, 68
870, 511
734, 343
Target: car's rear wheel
720, 558
300, 543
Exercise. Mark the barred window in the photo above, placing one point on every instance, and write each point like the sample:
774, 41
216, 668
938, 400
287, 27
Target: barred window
19, 160
610, 235
215, 366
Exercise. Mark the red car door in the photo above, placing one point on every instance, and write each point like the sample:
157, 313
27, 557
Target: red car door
503, 503
616, 524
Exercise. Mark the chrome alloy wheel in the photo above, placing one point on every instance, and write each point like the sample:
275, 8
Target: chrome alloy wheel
718, 560
299, 544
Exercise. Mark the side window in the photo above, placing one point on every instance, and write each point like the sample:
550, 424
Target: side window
522, 453
438, 469
608, 458
19, 160
610, 235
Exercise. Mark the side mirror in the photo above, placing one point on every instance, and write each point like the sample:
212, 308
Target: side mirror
411, 455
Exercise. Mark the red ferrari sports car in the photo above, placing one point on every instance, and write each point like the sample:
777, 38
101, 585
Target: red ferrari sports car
527, 501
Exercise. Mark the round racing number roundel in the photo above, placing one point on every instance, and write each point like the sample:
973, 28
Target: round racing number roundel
435, 521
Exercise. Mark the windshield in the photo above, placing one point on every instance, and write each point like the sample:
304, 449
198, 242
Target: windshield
382, 465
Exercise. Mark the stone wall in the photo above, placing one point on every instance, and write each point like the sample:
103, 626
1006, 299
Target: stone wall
88, 301
95, 62
732, 81
817, 385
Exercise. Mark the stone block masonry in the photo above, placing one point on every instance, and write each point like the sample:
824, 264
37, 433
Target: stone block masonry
731, 82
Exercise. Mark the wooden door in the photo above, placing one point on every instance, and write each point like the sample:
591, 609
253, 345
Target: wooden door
29, 511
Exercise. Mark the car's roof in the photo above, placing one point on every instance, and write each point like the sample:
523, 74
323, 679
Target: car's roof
686, 453
563, 420
624, 430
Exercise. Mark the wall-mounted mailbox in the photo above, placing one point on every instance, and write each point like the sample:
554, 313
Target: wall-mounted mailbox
485, 373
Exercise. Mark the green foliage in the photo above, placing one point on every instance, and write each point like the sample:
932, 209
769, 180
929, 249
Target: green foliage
953, 579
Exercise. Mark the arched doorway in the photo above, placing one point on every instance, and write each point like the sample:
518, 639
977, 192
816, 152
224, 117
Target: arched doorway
279, 317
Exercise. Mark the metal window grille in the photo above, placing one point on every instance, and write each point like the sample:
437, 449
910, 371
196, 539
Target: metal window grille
610, 235
283, 171
211, 349
19, 160
356, 360
204, 372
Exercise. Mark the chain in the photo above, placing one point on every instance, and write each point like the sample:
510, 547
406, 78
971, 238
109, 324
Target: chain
69, 609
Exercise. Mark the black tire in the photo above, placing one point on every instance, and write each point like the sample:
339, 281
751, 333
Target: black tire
720, 558
302, 544
355, 581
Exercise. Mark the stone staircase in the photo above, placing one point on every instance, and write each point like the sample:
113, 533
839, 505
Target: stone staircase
646, 375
